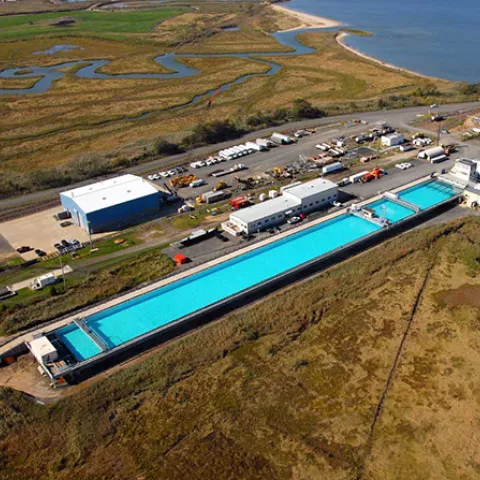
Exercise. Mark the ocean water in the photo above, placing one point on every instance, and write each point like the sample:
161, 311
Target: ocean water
440, 38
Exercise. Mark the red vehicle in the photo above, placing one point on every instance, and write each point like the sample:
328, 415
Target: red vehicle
376, 173
302, 216
367, 178
239, 202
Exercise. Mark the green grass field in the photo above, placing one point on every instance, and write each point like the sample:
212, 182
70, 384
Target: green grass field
368, 371
131, 22
84, 287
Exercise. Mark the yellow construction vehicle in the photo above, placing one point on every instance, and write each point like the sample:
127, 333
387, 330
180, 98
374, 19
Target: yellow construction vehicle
182, 182
220, 186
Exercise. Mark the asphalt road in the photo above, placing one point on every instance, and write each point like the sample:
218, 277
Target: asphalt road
397, 118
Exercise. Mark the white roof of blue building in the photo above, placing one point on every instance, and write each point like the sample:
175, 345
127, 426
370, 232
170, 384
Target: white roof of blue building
108, 193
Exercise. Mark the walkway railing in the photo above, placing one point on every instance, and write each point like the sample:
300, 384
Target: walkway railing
80, 323
393, 197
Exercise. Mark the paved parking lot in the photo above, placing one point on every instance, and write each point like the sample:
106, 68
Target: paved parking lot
42, 231
259, 162
6, 250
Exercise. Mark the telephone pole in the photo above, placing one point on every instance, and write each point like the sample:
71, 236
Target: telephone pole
63, 274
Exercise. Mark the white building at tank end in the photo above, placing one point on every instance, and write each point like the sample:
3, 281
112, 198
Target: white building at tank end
43, 350
466, 173
466, 170
303, 198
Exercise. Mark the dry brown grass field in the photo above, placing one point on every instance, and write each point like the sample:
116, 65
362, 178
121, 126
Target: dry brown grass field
367, 371
79, 115
32, 6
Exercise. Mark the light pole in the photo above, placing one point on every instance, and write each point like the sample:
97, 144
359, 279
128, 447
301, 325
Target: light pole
195, 203
90, 235
63, 274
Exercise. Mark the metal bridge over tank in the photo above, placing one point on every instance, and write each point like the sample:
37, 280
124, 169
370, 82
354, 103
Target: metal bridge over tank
80, 323
393, 197
369, 215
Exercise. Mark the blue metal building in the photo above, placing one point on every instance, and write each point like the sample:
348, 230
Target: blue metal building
113, 204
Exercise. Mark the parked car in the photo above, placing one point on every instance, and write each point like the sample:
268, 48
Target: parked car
65, 243
66, 224
40, 253
293, 220
403, 166
301, 133
24, 249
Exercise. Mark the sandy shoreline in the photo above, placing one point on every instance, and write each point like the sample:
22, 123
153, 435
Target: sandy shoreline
306, 20
314, 21
340, 40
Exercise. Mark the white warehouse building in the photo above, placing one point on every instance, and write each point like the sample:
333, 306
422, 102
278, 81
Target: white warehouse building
303, 198
392, 139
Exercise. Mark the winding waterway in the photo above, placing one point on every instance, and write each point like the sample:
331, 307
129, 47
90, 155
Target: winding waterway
171, 61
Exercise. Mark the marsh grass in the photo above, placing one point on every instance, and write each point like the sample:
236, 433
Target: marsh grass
290, 384
84, 288
43, 133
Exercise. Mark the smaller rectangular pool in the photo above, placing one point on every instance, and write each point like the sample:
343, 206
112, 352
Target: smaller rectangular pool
78, 342
426, 195
392, 211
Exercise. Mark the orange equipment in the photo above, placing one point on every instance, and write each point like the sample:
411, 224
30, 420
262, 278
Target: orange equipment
180, 259
367, 177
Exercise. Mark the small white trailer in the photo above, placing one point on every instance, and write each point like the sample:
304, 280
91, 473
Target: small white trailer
43, 281
281, 139
333, 167
357, 176
255, 146
265, 142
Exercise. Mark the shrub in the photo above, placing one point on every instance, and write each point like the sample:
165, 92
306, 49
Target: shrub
429, 90
213, 132
304, 109
164, 147
470, 89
